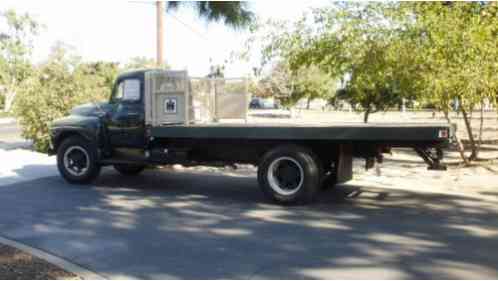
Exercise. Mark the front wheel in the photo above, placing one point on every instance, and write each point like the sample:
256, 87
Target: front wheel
290, 175
77, 160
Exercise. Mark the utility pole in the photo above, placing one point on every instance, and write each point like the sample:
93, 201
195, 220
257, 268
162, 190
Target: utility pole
160, 32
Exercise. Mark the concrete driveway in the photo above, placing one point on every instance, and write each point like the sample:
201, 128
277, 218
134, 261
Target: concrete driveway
204, 225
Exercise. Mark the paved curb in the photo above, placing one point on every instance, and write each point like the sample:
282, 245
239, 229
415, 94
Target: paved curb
60, 262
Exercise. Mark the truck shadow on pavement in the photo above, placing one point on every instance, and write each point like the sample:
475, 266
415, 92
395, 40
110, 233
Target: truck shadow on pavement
187, 225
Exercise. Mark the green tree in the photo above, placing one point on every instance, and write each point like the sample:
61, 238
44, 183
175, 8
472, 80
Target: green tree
346, 41
310, 83
136, 63
15, 49
232, 13
289, 87
277, 83
455, 45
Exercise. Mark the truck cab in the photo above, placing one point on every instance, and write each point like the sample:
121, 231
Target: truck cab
118, 123
101, 130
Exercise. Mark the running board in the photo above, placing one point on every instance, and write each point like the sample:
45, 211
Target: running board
113, 161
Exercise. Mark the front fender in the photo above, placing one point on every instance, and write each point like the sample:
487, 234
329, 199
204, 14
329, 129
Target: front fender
88, 127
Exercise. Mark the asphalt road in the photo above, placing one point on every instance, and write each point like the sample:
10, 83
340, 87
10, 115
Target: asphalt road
166, 224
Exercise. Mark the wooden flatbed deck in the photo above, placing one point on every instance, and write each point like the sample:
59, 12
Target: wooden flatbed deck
378, 132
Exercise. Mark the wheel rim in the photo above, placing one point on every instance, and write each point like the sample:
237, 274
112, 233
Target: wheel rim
76, 160
285, 176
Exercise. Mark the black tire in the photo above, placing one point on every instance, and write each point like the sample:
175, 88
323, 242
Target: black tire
129, 169
302, 178
85, 150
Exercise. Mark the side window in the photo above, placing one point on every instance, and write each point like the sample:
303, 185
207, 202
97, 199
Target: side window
128, 90
131, 90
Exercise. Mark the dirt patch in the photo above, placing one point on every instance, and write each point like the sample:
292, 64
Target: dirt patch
18, 265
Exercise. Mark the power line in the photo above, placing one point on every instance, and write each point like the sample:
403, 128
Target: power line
193, 30
202, 36
141, 2
175, 18
199, 34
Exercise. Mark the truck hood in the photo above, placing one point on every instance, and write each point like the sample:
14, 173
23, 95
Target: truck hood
83, 116
91, 109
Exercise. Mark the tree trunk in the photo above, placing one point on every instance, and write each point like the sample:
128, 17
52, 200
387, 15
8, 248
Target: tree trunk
468, 126
447, 116
9, 100
460, 147
481, 124
366, 115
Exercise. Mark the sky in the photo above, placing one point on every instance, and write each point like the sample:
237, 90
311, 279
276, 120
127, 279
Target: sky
116, 30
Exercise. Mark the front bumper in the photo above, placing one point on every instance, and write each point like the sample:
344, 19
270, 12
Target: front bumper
51, 141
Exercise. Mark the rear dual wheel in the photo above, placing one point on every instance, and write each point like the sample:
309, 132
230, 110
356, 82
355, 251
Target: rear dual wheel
290, 175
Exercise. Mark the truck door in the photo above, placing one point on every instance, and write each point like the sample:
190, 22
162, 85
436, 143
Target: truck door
127, 122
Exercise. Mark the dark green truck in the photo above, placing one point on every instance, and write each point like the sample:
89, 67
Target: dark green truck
138, 128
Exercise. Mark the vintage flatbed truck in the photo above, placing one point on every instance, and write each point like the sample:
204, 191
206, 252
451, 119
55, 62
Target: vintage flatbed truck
148, 121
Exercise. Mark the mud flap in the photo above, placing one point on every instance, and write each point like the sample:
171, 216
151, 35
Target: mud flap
344, 164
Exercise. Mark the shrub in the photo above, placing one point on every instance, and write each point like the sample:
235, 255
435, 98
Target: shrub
55, 88
2, 101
